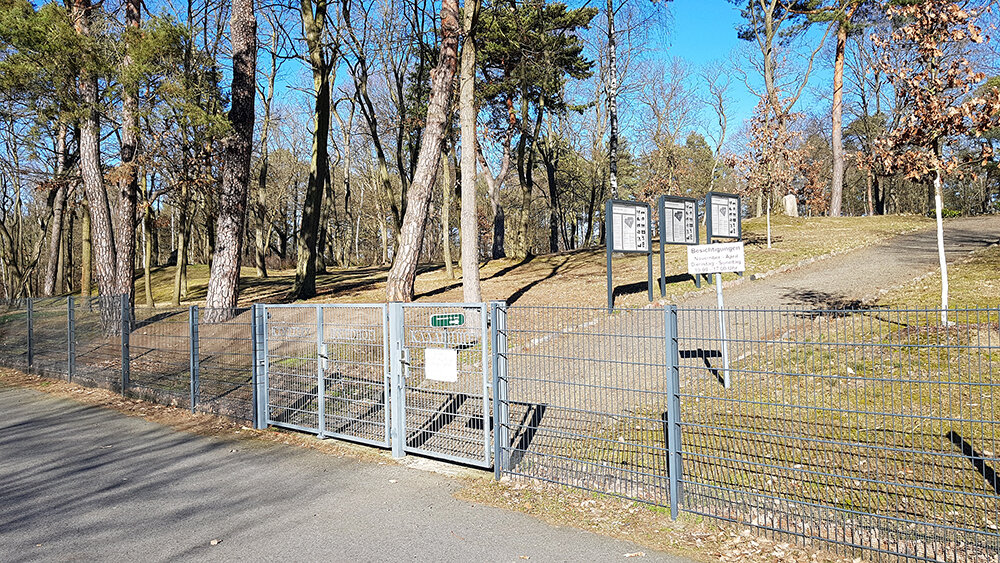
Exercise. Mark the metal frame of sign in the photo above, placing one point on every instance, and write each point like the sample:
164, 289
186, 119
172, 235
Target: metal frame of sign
661, 209
609, 243
708, 216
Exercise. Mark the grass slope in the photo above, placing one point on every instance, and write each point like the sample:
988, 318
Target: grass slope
572, 278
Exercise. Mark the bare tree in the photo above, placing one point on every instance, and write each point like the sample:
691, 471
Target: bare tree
321, 60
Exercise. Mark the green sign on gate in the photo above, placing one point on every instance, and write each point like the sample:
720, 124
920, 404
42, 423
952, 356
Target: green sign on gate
449, 319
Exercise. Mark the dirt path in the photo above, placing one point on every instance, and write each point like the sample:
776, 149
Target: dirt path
855, 277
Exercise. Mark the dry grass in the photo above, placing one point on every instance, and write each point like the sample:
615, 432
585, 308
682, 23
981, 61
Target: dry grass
572, 278
973, 282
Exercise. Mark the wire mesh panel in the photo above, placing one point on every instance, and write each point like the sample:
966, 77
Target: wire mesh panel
870, 429
447, 387
50, 351
225, 362
354, 359
14, 333
587, 400
97, 334
160, 354
292, 366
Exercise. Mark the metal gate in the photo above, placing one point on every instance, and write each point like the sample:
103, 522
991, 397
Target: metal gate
443, 376
326, 370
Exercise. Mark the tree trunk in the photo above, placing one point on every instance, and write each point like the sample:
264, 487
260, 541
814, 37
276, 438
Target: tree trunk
493, 186
147, 247
102, 233
837, 182
86, 254
471, 292
612, 102
128, 183
447, 188
223, 283
399, 286
58, 211
550, 175
183, 242
942, 259
319, 170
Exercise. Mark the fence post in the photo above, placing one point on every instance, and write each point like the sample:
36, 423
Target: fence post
674, 462
31, 333
320, 375
397, 378
126, 330
263, 393
498, 337
255, 394
195, 356
70, 338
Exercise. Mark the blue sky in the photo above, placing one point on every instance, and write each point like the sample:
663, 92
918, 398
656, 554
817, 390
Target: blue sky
703, 32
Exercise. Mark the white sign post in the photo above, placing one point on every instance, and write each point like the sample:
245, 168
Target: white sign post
715, 259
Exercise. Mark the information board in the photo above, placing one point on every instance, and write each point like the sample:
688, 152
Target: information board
678, 220
629, 226
716, 258
724, 216
626, 227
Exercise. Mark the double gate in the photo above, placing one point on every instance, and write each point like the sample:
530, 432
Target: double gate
413, 377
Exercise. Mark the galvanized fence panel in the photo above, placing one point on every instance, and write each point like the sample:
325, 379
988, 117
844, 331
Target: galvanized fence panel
224, 362
292, 367
326, 370
447, 419
588, 400
354, 358
866, 429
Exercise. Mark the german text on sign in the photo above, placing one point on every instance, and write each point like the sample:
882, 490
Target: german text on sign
630, 227
716, 258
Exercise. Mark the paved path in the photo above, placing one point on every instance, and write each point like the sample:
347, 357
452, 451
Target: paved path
84, 483
859, 275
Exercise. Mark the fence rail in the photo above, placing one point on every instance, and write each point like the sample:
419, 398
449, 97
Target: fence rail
868, 431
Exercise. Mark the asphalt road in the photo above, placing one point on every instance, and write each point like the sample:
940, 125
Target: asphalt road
860, 275
84, 483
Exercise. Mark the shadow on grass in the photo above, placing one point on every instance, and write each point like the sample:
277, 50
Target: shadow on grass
976, 458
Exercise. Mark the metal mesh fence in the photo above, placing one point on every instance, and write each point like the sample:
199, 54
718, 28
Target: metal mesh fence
97, 342
871, 431
50, 334
355, 365
587, 399
14, 333
160, 355
292, 367
344, 348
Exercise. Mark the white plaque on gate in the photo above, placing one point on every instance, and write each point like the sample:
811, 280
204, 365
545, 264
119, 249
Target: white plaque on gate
441, 364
